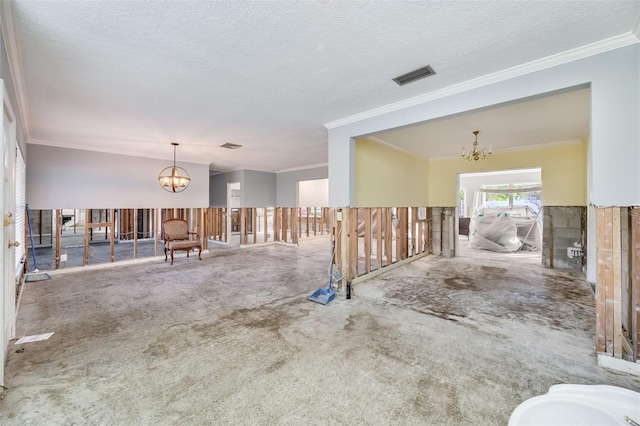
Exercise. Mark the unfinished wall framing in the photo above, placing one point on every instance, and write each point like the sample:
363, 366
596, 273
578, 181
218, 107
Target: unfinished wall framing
370, 239
618, 282
259, 225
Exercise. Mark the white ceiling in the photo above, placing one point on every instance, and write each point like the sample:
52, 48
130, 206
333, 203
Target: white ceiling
132, 76
552, 119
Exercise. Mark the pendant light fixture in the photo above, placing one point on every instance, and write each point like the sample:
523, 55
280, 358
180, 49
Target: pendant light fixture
174, 178
475, 153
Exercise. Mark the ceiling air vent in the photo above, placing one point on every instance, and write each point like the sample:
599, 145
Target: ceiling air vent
409, 77
230, 146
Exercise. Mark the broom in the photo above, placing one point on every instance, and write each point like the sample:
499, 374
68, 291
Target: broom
34, 275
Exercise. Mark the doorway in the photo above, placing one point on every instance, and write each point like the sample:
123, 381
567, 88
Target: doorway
234, 202
500, 212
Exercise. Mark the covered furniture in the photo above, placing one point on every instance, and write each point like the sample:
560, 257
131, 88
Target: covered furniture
176, 236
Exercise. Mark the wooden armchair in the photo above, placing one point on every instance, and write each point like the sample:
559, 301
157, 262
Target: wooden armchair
176, 235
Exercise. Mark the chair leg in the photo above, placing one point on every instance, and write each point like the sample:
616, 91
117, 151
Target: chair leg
200, 253
165, 254
172, 256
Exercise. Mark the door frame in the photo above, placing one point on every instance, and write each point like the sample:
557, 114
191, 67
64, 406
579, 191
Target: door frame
8, 199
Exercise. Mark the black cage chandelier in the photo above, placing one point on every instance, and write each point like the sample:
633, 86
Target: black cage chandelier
174, 178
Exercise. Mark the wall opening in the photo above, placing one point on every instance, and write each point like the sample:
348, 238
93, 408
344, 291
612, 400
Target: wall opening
500, 212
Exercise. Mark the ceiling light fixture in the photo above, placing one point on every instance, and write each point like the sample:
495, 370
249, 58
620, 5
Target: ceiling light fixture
475, 153
174, 178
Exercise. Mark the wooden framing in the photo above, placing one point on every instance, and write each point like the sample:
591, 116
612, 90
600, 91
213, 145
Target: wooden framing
353, 243
608, 282
205, 231
617, 282
379, 227
338, 220
266, 223
601, 280
156, 234
367, 240
402, 233
285, 224
135, 233
243, 225
276, 223
294, 224
354, 260
58, 237
634, 268
315, 222
388, 236
109, 229
254, 224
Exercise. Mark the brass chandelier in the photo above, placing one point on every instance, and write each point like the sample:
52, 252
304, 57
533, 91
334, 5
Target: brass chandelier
475, 153
174, 178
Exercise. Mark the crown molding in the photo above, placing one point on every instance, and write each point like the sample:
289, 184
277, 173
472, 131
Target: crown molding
105, 150
15, 63
592, 49
294, 169
519, 148
395, 147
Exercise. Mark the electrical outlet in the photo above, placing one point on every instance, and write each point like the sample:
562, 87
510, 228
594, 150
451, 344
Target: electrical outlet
573, 252
339, 216
63, 257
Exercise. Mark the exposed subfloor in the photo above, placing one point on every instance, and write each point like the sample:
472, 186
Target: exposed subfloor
232, 339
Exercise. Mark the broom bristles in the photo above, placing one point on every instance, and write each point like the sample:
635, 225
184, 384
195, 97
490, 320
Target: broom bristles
36, 275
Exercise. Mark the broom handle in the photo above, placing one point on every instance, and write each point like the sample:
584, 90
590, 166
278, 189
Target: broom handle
33, 249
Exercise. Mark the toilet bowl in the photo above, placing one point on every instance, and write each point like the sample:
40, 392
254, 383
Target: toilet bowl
588, 405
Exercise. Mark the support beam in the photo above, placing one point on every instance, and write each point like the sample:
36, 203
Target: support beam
617, 283
58, 236
388, 236
379, 227
243, 225
266, 222
135, 233
635, 281
156, 228
87, 220
367, 240
353, 243
254, 224
112, 232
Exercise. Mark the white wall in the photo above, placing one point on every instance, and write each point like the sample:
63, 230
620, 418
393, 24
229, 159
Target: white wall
258, 189
287, 184
218, 187
614, 77
59, 178
313, 193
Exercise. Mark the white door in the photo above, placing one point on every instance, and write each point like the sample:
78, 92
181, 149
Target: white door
7, 240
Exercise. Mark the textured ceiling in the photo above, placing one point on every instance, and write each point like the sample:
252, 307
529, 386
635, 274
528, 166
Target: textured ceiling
132, 76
